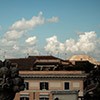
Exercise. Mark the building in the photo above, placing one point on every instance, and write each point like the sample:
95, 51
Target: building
51, 78
84, 58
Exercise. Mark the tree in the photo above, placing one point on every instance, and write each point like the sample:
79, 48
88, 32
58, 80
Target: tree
10, 81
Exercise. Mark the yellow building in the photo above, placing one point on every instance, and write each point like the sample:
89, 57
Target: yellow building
48, 78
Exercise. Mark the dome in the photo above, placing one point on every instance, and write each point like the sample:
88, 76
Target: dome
83, 58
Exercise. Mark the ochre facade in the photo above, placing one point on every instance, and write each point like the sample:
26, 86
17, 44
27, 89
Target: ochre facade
56, 82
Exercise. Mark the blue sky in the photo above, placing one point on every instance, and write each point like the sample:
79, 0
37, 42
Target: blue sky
49, 26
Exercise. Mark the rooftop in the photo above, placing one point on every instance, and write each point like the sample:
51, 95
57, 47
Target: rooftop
84, 58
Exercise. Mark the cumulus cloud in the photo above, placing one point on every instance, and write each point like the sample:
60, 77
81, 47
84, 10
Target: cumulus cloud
31, 40
53, 45
21, 27
13, 34
15, 47
70, 45
24, 24
4, 42
53, 19
86, 43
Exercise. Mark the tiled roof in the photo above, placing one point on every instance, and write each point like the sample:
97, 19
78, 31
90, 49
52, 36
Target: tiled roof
23, 63
35, 62
28, 63
43, 57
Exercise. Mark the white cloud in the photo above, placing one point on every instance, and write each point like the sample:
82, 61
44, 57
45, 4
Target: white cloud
53, 45
53, 19
61, 48
24, 24
19, 28
14, 41
13, 34
5, 42
31, 40
70, 45
85, 43
15, 47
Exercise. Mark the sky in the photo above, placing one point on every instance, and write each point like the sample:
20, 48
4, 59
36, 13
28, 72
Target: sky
49, 27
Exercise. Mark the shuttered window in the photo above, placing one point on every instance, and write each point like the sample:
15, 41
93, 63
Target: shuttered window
66, 85
43, 85
26, 85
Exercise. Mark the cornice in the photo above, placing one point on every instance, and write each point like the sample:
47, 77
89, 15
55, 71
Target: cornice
64, 76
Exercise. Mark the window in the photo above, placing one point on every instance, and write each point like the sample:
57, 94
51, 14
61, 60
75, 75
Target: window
26, 85
66, 85
44, 98
24, 98
56, 98
43, 85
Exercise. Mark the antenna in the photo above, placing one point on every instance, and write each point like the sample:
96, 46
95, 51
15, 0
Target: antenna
65, 55
4, 56
27, 54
